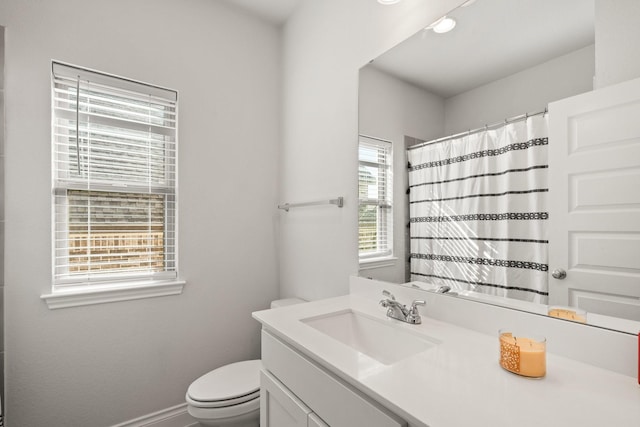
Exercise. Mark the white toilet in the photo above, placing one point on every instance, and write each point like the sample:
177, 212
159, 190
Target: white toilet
230, 395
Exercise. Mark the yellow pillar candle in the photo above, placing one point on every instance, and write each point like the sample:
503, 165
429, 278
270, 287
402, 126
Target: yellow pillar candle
522, 355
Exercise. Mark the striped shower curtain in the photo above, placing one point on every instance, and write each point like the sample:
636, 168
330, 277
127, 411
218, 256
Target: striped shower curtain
478, 211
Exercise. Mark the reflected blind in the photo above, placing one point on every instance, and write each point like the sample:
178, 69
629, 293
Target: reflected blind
114, 178
375, 219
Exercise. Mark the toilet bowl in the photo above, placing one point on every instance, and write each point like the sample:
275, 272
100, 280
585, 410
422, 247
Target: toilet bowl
230, 395
227, 396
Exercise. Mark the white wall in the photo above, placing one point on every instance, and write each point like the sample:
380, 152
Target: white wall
103, 364
325, 44
528, 91
617, 37
389, 108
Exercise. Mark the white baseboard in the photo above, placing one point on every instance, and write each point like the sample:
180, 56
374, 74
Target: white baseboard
176, 416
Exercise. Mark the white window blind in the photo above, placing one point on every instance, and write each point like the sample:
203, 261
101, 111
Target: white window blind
375, 213
114, 171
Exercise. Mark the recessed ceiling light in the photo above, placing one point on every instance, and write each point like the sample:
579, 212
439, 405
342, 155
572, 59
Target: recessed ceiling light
443, 25
388, 1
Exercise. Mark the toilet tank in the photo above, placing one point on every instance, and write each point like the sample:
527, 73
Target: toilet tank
286, 301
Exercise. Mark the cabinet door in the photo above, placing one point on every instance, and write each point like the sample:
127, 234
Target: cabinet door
315, 421
278, 406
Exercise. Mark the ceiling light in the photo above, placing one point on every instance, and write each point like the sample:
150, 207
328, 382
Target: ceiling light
443, 25
388, 1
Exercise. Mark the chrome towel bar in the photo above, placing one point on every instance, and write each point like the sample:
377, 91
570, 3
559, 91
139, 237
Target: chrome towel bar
339, 202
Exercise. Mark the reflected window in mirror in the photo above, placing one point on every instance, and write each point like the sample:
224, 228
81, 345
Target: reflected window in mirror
375, 195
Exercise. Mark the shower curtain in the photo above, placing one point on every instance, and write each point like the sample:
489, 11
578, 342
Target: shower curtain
478, 211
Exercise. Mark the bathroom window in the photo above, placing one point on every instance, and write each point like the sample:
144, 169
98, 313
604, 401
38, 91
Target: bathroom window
114, 145
375, 211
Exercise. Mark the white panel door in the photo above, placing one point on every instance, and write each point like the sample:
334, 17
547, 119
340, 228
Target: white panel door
594, 193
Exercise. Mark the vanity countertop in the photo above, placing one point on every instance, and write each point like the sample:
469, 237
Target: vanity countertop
459, 381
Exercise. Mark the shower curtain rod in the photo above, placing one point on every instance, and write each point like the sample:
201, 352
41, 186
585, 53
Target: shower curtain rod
485, 127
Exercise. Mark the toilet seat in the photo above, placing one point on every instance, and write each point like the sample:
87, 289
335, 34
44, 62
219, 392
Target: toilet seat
237, 384
246, 409
224, 403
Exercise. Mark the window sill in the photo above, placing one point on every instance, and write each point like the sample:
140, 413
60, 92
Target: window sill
103, 294
367, 264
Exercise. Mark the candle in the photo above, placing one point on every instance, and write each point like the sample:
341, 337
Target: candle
568, 313
523, 355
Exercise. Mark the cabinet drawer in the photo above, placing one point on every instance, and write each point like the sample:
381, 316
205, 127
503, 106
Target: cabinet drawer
338, 404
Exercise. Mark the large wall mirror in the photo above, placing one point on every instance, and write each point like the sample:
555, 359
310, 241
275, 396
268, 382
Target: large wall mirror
495, 73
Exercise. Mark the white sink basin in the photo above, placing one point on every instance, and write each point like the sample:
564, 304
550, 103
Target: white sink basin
378, 339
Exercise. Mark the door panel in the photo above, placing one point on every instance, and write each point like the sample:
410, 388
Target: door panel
594, 214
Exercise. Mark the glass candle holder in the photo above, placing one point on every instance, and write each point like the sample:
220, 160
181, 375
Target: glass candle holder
524, 355
573, 314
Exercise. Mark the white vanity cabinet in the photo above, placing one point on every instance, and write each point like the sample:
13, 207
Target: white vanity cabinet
315, 421
297, 392
278, 406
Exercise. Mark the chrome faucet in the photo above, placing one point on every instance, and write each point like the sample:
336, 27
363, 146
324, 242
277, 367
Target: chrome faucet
399, 311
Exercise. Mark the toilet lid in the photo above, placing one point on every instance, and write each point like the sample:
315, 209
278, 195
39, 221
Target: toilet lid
237, 382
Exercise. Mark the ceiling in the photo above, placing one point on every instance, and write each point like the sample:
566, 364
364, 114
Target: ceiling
493, 39
276, 11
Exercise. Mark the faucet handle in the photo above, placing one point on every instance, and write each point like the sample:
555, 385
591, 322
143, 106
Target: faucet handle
414, 315
416, 303
388, 294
